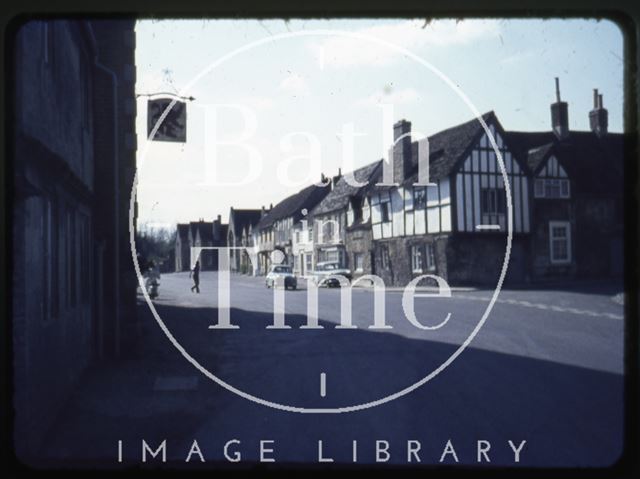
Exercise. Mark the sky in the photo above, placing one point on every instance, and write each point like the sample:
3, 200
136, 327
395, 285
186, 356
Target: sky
278, 103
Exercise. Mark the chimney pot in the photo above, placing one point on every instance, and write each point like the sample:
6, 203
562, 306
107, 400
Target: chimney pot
560, 115
599, 116
401, 150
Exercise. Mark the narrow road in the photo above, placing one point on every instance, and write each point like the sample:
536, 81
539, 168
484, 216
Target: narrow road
546, 368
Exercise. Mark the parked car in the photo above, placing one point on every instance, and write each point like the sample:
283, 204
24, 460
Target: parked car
325, 269
281, 274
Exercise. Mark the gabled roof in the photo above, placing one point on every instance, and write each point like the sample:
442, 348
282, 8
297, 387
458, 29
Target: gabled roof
339, 196
205, 229
537, 156
242, 218
293, 205
596, 163
183, 232
447, 148
224, 230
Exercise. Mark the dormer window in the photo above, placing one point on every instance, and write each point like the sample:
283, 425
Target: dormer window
354, 212
551, 188
552, 181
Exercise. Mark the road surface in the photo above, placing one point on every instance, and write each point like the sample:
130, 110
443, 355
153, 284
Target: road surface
545, 368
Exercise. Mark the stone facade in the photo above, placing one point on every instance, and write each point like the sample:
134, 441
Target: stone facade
74, 284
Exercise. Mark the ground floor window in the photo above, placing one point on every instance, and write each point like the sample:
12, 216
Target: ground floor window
560, 242
416, 259
384, 257
309, 263
431, 257
358, 262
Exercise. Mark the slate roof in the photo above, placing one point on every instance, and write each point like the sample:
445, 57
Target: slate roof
339, 197
224, 230
205, 228
595, 163
446, 148
244, 218
183, 232
307, 198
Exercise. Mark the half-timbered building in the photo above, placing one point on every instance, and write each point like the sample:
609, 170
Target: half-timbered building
342, 221
577, 198
455, 225
275, 230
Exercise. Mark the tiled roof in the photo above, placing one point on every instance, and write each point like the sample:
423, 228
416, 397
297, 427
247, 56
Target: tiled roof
205, 228
293, 205
243, 218
183, 231
338, 198
596, 163
446, 148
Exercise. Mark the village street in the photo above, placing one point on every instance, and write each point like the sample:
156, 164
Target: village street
545, 368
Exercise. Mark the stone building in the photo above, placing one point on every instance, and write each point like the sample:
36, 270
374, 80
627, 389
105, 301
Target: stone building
182, 248
566, 197
342, 221
275, 229
240, 233
196, 234
577, 196
564, 201
201, 235
74, 286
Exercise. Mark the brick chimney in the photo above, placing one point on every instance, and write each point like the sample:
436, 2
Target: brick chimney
599, 116
335, 179
560, 115
401, 151
217, 231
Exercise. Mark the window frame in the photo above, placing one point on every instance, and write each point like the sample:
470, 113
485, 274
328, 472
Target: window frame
430, 257
493, 196
385, 211
542, 187
360, 256
417, 263
567, 227
384, 257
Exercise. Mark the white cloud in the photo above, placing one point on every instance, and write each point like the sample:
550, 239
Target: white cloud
295, 84
338, 51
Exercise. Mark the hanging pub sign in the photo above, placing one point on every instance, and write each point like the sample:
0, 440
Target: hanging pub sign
174, 125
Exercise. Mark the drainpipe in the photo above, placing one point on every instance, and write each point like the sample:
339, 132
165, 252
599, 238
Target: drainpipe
116, 188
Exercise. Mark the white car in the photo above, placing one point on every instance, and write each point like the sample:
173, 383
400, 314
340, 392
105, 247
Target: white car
325, 269
281, 275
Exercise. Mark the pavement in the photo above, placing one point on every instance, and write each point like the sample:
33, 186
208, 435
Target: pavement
546, 367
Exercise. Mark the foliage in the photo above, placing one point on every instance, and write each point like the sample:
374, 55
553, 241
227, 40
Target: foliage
154, 244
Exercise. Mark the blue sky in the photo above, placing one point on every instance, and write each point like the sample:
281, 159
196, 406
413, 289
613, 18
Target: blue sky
303, 90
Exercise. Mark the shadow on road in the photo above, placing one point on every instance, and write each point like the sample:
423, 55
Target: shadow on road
569, 416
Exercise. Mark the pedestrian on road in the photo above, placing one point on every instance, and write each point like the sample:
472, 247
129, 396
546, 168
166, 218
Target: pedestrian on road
195, 273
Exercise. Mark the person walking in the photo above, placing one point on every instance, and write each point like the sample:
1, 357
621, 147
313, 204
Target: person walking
195, 274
